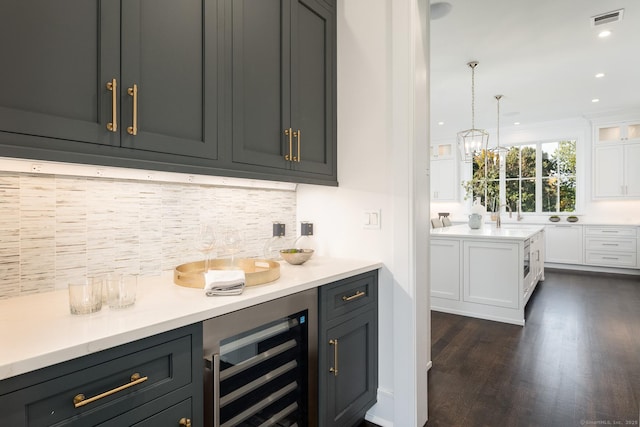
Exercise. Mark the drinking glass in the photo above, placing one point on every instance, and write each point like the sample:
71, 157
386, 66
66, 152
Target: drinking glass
85, 295
232, 243
204, 242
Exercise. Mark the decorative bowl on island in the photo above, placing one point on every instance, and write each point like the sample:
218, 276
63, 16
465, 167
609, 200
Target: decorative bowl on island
296, 256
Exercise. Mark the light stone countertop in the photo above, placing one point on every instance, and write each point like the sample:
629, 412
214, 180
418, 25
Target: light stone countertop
488, 231
38, 331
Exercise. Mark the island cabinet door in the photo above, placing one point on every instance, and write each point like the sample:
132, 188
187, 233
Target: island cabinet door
493, 273
445, 269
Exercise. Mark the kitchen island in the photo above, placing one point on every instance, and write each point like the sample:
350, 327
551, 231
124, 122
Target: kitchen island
488, 273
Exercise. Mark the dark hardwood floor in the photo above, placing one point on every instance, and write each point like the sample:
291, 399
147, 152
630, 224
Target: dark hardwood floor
575, 363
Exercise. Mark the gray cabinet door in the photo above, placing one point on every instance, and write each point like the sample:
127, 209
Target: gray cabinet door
282, 78
347, 394
169, 52
312, 87
259, 76
56, 60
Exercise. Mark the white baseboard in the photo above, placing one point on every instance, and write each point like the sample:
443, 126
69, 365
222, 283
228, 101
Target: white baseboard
382, 412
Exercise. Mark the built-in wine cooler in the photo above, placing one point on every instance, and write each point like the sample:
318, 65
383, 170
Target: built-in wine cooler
261, 364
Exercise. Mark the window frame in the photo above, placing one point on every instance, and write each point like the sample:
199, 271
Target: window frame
538, 177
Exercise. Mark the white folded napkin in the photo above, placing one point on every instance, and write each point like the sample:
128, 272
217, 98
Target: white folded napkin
224, 282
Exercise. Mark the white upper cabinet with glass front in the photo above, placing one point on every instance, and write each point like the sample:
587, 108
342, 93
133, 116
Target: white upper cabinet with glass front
616, 158
444, 172
619, 132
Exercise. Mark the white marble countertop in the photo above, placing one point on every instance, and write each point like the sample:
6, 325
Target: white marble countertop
38, 331
488, 231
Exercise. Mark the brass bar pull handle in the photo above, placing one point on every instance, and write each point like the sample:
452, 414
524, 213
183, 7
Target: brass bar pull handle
80, 400
298, 136
113, 124
133, 92
184, 422
334, 369
358, 294
289, 133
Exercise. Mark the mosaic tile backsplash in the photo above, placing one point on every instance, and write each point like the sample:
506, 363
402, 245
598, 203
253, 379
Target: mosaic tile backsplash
57, 228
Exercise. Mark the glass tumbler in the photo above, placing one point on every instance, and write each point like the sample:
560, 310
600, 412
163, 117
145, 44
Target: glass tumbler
85, 296
121, 290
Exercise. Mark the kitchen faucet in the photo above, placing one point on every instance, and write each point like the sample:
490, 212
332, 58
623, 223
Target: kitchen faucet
498, 222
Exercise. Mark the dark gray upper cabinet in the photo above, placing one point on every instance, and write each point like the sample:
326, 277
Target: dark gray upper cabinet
157, 84
282, 83
168, 54
72, 65
56, 60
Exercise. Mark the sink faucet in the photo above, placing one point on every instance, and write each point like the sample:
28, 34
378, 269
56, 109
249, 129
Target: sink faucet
519, 217
498, 222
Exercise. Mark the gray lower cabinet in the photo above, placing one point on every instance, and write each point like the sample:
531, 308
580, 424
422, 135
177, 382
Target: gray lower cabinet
348, 350
156, 381
280, 87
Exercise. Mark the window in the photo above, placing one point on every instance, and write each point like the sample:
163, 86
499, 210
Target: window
537, 177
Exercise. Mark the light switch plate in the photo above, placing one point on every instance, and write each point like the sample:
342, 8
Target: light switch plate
371, 219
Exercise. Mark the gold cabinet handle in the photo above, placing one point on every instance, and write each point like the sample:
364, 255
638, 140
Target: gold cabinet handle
133, 92
113, 124
184, 422
334, 369
358, 294
298, 136
80, 400
289, 133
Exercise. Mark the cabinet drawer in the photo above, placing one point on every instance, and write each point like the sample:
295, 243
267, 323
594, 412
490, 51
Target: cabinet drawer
614, 245
106, 384
608, 259
344, 297
611, 231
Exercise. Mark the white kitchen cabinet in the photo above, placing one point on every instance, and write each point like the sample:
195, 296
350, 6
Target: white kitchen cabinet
616, 157
486, 284
444, 172
445, 280
611, 246
444, 181
618, 132
563, 243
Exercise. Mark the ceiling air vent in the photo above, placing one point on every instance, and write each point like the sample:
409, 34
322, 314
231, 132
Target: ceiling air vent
607, 18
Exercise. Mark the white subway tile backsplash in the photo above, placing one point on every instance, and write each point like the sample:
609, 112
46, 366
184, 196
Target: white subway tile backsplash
54, 228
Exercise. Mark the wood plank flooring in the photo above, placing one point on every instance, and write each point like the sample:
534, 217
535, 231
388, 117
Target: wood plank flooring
576, 362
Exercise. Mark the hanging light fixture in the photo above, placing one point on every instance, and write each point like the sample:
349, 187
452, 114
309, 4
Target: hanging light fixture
499, 152
472, 141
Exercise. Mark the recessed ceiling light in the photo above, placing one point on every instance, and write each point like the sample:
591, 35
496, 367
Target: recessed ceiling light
599, 75
516, 123
440, 123
605, 33
595, 100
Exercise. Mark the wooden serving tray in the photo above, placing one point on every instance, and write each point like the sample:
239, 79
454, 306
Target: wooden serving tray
256, 271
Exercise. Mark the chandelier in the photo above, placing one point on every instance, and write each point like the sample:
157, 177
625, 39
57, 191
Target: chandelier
498, 151
472, 141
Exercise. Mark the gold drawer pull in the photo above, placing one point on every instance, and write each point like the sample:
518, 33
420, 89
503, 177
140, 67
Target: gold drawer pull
133, 92
358, 294
289, 133
113, 125
80, 400
334, 369
298, 136
184, 422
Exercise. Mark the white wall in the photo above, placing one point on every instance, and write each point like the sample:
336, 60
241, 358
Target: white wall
382, 164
